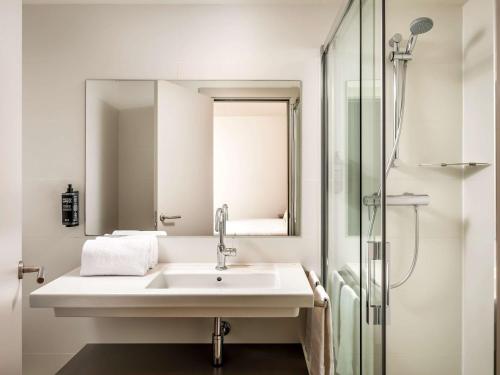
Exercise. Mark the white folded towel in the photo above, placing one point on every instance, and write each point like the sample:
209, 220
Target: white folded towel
153, 245
313, 280
321, 353
368, 349
141, 232
116, 256
348, 354
337, 282
317, 336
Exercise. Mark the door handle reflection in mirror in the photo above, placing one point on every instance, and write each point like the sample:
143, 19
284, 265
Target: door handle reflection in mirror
164, 218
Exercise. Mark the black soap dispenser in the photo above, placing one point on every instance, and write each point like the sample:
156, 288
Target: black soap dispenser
70, 207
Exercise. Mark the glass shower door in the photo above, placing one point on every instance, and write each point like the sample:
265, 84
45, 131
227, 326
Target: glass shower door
354, 249
374, 249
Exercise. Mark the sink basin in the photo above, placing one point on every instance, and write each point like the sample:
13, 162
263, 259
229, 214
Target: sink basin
182, 290
207, 277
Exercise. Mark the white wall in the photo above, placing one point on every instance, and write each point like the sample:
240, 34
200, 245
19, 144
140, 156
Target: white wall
63, 46
10, 186
251, 161
478, 187
424, 335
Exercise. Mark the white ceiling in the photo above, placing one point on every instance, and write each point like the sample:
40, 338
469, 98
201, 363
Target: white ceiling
227, 2
187, 2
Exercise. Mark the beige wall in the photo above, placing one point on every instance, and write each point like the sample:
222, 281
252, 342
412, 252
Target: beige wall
497, 175
251, 163
136, 168
184, 160
63, 46
119, 152
101, 152
10, 186
424, 334
478, 187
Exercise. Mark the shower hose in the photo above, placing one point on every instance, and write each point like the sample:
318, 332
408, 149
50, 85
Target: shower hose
390, 164
416, 246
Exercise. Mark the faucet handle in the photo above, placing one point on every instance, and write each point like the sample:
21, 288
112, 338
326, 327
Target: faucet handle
230, 251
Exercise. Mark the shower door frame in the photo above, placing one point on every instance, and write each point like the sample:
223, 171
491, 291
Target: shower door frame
325, 164
496, 339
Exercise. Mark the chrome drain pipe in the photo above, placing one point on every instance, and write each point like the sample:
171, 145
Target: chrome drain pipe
221, 328
217, 343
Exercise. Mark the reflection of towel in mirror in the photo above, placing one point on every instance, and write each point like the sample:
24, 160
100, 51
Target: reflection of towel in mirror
141, 232
257, 227
116, 256
337, 282
348, 352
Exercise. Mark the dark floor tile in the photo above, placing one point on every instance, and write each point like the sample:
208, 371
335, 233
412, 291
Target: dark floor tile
186, 359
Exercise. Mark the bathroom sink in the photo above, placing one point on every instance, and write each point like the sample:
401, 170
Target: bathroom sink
182, 290
207, 277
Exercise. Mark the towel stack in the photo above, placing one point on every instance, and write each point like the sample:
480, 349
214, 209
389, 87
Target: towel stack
131, 255
317, 337
346, 333
348, 355
336, 285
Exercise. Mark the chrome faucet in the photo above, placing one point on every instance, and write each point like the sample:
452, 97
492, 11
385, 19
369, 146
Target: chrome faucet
221, 216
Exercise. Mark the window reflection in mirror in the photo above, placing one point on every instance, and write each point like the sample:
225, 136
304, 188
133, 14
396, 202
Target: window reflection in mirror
164, 155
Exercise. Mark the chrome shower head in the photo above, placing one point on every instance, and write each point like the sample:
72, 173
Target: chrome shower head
418, 26
421, 25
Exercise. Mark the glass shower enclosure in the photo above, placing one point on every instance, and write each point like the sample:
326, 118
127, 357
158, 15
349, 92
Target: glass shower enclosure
355, 253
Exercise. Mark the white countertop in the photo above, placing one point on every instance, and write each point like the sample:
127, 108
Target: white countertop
73, 295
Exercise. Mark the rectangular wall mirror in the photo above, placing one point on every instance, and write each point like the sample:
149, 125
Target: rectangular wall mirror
164, 155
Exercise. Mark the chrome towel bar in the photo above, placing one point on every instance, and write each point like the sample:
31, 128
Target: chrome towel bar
315, 284
322, 304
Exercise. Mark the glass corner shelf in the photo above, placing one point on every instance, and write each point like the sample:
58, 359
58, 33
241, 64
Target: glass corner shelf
462, 164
